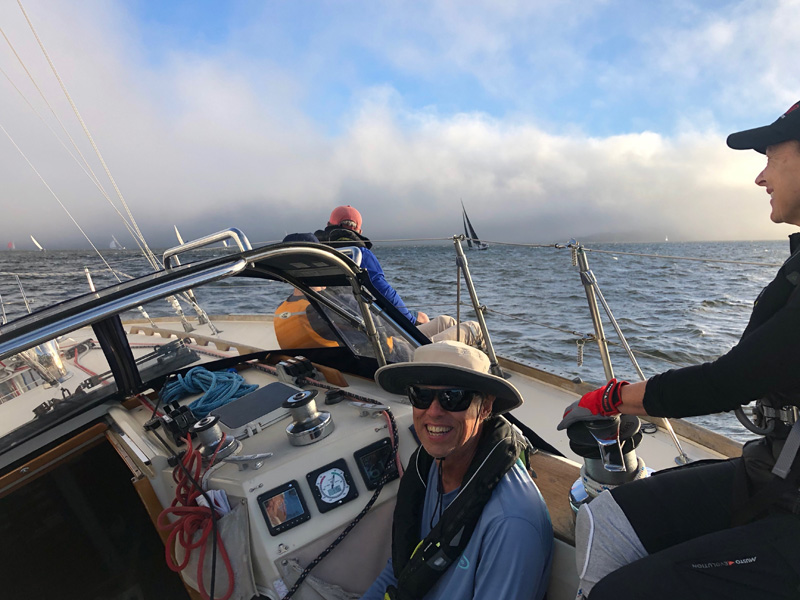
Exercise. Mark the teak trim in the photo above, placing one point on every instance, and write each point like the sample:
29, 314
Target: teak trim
49, 460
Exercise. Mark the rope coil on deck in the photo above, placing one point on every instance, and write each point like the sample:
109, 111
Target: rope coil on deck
220, 387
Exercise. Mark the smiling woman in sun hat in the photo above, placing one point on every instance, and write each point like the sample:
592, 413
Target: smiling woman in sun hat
467, 512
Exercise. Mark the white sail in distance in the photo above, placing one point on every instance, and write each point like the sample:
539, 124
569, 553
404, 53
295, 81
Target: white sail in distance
37, 244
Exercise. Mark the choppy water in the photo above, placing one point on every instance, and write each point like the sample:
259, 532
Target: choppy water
673, 312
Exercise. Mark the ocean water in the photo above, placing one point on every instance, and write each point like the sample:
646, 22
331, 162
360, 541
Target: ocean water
675, 303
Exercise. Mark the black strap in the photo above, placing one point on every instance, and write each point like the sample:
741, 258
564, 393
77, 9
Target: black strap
777, 494
418, 566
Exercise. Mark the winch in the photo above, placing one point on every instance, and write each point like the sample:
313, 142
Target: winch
213, 442
608, 447
309, 425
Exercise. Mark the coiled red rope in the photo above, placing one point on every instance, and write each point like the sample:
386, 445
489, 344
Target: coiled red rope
191, 518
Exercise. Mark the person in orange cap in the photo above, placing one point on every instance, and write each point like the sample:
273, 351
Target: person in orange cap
344, 229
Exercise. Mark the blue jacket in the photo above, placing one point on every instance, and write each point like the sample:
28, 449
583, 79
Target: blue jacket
336, 236
378, 279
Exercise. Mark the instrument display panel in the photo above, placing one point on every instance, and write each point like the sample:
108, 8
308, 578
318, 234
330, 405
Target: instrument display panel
283, 507
372, 460
332, 485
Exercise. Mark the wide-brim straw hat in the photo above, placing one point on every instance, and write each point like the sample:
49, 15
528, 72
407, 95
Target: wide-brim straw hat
453, 364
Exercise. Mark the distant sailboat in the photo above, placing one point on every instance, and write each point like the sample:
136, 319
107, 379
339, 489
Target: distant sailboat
115, 245
11, 246
38, 245
469, 231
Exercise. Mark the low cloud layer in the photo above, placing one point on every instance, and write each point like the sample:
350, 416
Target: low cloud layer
207, 141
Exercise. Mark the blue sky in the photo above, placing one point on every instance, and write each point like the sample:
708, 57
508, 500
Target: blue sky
606, 67
550, 119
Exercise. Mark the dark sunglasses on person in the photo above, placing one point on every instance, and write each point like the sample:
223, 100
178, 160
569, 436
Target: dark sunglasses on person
452, 400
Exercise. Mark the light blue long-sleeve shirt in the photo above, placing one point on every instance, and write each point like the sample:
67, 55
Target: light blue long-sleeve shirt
509, 555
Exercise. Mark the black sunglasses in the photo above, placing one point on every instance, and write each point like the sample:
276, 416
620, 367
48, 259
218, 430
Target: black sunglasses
452, 400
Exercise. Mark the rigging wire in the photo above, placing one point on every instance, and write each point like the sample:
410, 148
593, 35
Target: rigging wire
148, 253
641, 254
689, 258
138, 237
85, 166
66, 210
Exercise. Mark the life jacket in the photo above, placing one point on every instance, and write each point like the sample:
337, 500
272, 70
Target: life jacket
418, 565
768, 477
294, 330
337, 236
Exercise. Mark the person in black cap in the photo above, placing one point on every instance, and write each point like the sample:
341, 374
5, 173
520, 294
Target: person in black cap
469, 522
716, 529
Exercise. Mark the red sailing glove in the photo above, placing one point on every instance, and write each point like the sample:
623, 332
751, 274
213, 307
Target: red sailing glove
602, 402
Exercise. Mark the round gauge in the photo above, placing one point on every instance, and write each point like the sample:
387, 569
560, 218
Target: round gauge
332, 485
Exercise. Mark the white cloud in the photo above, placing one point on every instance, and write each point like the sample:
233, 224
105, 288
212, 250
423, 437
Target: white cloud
208, 141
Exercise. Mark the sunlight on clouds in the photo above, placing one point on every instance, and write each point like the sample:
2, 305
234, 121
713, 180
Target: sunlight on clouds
219, 139
633, 183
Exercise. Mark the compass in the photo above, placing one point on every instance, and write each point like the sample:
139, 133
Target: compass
332, 485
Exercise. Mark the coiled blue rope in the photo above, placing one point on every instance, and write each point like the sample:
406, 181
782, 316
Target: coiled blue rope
220, 387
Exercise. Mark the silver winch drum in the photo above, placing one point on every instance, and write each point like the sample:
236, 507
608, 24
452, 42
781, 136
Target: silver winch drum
608, 449
308, 424
212, 440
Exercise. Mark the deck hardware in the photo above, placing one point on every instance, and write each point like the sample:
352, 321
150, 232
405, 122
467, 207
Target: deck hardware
365, 409
334, 396
309, 425
258, 487
212, 441
24, 470
649, 428
295, 370
248, 461
608, 447
177, 421
233, 233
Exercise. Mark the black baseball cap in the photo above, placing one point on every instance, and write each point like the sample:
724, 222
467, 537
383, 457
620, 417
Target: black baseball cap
786, 128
